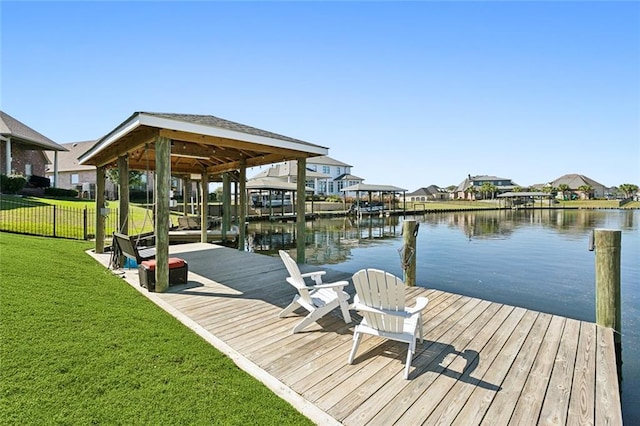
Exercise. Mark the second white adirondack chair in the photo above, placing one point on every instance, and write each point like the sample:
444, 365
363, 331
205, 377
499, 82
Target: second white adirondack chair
318, 299
380, 297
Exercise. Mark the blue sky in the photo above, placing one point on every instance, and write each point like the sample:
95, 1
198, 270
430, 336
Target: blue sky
408, 93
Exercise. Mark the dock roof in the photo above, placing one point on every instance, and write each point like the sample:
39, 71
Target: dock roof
200, 143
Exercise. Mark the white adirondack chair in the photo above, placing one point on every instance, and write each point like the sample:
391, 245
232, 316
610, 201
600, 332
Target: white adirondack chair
380, 297
318, 299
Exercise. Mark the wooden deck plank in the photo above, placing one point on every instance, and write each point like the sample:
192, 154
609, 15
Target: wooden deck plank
556, 401
607, 394
582, 403
527, 410
480, 362
485, 346
328, 364
504, 402
480, 399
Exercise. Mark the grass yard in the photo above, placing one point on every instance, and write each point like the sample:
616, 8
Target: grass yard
34, 215
80, 346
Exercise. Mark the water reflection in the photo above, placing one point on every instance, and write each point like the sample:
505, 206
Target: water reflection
500, 224
330, 241
327, 241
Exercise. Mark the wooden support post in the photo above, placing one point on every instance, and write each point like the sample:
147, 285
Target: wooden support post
123, 180
608, 301
409, 255
100, 184
162, 190
300, 219
204, 207
242, 205
226, 205
186, 189
270, 204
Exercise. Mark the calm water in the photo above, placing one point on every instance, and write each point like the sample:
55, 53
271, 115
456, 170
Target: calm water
534, 259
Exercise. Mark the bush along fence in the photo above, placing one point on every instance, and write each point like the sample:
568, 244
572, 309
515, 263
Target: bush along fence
53, 221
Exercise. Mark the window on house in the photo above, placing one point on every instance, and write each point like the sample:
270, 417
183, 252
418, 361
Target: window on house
339, 170
326, 170
330, 188
75, 179
27, 170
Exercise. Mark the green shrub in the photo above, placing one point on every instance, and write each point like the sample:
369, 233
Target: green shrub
59, 192
12, 184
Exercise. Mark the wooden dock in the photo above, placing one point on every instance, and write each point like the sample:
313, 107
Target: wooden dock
480, 363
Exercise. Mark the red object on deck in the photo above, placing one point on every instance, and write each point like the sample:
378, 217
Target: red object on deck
174, 262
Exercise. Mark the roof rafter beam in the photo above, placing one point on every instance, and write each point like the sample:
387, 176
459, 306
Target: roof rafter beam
226, 143
138, 140
251, 162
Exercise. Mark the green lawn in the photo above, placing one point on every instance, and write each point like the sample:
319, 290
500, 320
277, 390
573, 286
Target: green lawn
69, 215
80, 346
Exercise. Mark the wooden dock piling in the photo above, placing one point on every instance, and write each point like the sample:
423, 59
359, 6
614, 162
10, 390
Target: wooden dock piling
608, 306
409, 234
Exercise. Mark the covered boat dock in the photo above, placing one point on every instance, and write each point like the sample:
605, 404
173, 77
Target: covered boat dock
206, 146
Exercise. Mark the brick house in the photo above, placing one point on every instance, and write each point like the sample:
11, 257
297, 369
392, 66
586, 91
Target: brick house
22, 149
430, 193
72, 175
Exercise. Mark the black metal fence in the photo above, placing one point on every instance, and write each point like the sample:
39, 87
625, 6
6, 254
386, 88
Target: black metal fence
53, 221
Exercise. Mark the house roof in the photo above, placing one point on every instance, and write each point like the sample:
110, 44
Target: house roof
487, 178
200, 143
575, 181
483, 178
361, 187
327, 161
430, 190
14, 129
68, 161
288, 169
347, 176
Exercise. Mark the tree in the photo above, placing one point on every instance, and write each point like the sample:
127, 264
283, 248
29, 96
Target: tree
135, 177
550, 189
563, 188
629, 189
516, 189
488, 188
471, 191
586, 190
